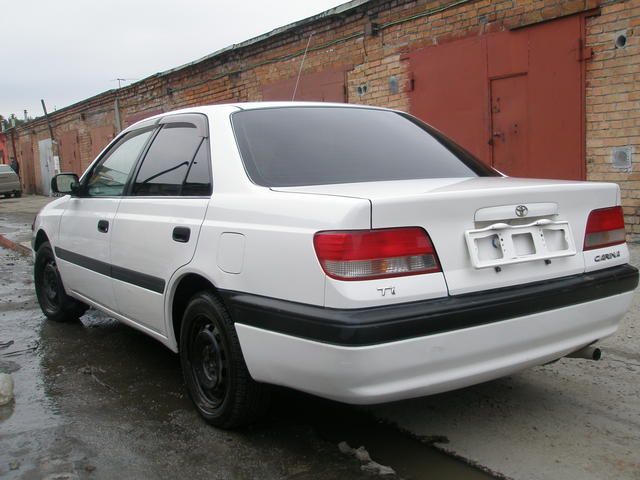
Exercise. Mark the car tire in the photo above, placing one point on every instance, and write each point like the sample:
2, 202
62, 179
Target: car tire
17, 194
53, 300
214, 369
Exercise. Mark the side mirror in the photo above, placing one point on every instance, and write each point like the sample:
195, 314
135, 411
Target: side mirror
65, 183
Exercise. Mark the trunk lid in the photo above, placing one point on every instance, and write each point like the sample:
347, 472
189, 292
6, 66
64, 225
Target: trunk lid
447, 208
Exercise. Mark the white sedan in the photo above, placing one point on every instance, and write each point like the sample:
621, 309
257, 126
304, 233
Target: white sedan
351, 252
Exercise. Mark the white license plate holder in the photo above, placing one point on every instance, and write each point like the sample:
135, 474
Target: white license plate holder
503, 244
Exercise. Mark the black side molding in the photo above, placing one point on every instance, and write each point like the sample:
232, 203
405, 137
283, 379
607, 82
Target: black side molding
138, 279
369, 326
86, 262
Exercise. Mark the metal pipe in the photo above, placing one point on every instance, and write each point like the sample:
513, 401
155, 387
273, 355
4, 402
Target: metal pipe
116, 109
590, 353
46, 116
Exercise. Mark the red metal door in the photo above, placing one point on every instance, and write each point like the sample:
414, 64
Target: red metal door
27, 166
536, 71
451, 92
509, 125
70, 152
556, 93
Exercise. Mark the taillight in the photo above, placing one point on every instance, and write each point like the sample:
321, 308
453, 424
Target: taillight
369, 254
605, 227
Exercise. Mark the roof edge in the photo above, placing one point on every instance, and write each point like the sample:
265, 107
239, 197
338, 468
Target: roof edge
345, 7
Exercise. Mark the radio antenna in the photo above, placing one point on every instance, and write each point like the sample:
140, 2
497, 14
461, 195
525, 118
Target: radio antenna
304, 57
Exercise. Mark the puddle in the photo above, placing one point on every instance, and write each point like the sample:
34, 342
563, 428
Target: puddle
410, 457
19, 324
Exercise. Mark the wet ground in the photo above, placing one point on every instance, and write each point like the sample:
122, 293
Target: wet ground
100, 400
17, 214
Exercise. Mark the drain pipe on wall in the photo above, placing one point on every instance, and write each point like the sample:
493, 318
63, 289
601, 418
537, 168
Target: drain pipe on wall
116, 109
55, 150
46, 116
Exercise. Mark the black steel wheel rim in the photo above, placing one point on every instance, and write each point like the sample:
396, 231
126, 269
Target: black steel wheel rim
209, 363
50, 291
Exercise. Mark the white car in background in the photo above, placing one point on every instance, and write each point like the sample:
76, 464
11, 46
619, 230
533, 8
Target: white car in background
9, 182
351, 252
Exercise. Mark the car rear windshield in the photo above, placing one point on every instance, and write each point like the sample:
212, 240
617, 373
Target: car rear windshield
297, 146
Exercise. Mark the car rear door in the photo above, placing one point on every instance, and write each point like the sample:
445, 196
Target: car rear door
158, 222
82, 246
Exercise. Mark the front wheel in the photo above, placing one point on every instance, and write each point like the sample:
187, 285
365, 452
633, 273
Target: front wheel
53, 300
214, 369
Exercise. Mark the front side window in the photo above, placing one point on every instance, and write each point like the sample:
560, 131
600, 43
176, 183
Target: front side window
109, 178
169, 161
297, 146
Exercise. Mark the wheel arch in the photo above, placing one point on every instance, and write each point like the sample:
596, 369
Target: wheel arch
182, 290
41, 237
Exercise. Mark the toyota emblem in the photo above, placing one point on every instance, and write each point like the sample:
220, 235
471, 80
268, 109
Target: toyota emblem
522, 211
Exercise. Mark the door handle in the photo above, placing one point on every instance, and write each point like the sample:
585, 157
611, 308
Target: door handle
181, 234
103, 226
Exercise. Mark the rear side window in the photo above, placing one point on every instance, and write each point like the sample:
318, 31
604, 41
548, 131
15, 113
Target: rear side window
177, 155
198, 181
296, 146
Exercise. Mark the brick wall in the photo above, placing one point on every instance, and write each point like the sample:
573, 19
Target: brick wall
341, 42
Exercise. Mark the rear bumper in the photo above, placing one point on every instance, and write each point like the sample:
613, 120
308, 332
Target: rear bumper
427, 365
448, 357
370, 326
10, 188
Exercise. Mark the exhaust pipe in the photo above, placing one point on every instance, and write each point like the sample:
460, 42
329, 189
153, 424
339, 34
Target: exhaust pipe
590, 353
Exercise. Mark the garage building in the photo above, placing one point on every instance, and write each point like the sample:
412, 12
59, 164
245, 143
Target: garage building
535, 88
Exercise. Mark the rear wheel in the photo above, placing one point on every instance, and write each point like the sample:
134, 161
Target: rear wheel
214, 369
17, 194
53, 300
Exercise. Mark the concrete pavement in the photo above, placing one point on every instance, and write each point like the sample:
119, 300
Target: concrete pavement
16, 217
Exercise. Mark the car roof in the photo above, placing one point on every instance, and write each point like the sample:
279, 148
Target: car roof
230, 107
261, 105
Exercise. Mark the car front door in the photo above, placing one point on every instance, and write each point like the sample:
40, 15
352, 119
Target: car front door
82, 247
158, 222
